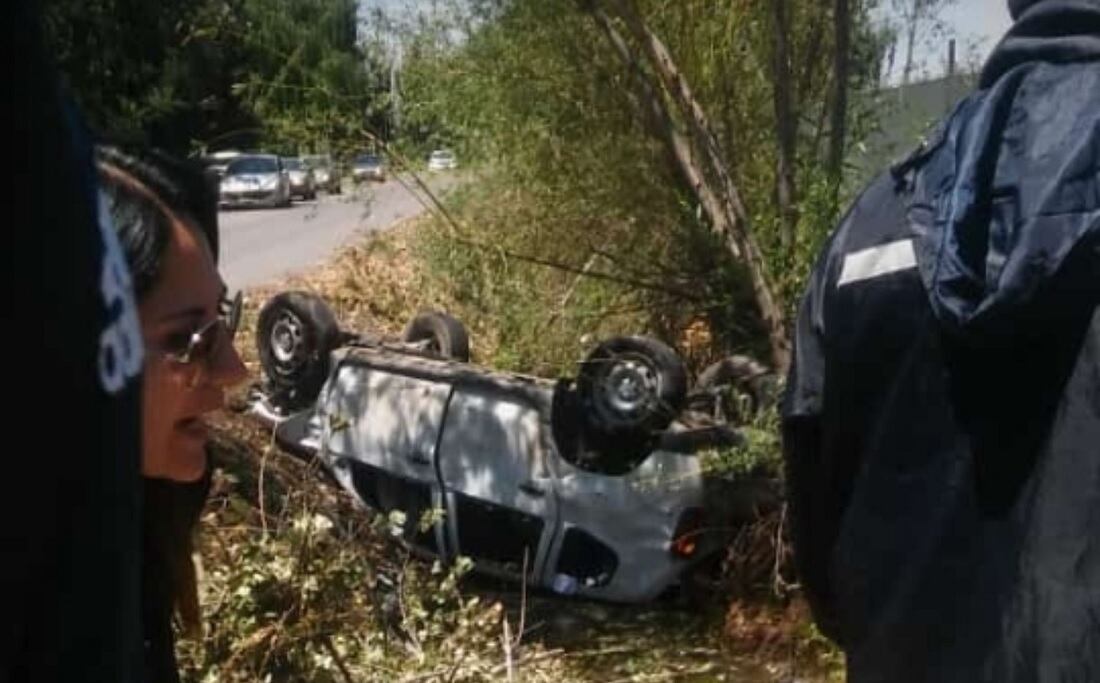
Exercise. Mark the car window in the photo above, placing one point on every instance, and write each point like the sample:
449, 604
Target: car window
368, 160
292, 164
253, 165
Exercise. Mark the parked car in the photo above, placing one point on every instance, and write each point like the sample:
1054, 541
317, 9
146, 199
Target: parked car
325, 173
442, 160
302, 183
368, 167
255, 180
219, 161
590, 486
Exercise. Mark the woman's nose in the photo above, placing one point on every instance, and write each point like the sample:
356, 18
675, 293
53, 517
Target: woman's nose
225, 368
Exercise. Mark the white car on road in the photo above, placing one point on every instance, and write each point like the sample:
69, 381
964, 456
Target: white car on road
255, 180
442, 160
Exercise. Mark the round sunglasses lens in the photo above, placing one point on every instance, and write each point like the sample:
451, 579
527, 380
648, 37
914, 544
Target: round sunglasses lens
205, 343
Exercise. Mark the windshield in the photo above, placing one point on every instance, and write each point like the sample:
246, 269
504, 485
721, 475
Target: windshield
292, 164
368, 160
252, 165
316, 162
442, 156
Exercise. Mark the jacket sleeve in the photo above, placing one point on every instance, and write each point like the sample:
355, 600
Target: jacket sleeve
813, 521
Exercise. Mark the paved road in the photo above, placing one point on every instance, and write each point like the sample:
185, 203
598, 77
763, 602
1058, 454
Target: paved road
262, 245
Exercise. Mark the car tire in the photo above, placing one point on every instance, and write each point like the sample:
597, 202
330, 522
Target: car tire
752, 387
631, 387
446, 337
295, 333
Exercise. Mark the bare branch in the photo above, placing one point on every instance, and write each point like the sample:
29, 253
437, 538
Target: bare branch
785, 123
700, 159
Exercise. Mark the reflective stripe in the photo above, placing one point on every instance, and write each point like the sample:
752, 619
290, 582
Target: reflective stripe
881, 260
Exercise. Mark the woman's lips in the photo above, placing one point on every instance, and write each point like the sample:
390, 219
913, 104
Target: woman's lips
193, 427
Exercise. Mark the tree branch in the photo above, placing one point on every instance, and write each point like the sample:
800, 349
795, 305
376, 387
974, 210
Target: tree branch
838, 118
784, 124
698, 155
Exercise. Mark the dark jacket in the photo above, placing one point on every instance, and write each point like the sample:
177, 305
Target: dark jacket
70, 493
942, 420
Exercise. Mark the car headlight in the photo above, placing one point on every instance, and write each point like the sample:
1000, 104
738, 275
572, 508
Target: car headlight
269, 183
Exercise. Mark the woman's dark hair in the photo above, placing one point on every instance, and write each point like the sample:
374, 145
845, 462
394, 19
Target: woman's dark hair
143, 228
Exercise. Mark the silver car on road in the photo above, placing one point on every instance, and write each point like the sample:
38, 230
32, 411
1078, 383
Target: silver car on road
325, 172
302, 181
255, 180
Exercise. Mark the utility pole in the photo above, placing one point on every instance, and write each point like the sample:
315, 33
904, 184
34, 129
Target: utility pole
395, 91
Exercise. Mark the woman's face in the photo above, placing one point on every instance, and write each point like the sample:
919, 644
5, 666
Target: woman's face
186, 297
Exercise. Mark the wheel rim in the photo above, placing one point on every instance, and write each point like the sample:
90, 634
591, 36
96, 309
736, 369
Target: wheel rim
629, 386
286, 341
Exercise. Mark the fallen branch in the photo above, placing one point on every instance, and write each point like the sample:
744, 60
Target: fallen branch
667, 675
326, 641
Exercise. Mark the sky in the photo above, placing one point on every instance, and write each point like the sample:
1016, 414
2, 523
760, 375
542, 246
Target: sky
984, 18
977, 25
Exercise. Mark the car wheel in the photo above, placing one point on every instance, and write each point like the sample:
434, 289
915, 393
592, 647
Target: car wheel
736, 388
295, 334
631, 386
443, 335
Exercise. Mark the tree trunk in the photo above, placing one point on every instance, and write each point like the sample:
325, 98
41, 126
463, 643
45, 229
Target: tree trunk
785, 125
810, 61
914, 20
660, 122
699, 159
838, 118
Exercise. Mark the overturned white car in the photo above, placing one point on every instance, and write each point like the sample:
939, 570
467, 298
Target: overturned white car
590, 486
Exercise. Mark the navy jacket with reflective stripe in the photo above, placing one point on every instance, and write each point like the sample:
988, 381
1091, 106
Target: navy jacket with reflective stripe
942, 416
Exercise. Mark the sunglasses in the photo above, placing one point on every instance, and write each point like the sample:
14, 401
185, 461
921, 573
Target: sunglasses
204, 342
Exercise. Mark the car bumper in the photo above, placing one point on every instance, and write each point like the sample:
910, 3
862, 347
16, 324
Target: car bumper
248, 198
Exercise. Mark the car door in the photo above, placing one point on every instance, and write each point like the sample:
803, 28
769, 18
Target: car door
501, 502
381, 432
